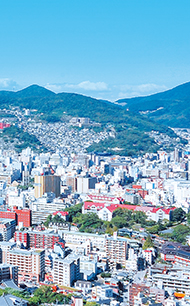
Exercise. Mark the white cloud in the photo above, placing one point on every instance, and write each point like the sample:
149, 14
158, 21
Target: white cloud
89, 86
8, 84
54, 87
100, 90
128, 91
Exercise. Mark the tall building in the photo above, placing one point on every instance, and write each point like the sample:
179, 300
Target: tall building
8, 272
30, 263
47, 183
117, 249
7, 229
66, 271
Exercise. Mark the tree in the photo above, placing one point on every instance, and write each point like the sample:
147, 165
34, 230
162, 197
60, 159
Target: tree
188, 217
148, 243
180, 233
88, 222
178, 215
74, 210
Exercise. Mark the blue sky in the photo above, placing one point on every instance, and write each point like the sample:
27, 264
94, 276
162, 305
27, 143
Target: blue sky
107, 49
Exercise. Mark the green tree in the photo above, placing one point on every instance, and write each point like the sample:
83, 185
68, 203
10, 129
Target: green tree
180, 233
74, 211
148, 243
178, 215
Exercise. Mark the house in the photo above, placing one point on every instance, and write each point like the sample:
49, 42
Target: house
11, 300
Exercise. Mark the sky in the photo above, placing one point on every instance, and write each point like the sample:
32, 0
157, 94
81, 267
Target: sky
107, 49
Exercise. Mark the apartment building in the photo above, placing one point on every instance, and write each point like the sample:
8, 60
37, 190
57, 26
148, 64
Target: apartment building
7, 228
39, 239
8, 272
5, 246
78, 238
47, 183
19, 215
175, 280
117, 249
30, 263
134, 289
66, 271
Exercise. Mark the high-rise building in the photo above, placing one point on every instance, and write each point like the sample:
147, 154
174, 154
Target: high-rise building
117, 249
66, 271
47, 183
7, 229
30, 263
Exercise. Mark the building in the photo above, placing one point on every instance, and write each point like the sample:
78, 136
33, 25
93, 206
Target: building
47, 183
38, 239
8, 272
66, 271
177, 253
102, 292
5, 247
19, 215
12, 300
179, 280
117, 249
24, 216
148, 255
4, 125
30, 263
78, 238
71, 181
7, 229
105, 210
134, 289
84, 184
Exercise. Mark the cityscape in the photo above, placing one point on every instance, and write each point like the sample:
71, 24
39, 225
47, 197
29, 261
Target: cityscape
93, 228
94, 153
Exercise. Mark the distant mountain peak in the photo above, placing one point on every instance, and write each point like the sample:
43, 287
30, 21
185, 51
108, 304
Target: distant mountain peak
35, 91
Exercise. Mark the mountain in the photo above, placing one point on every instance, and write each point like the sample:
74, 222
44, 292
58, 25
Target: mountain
130, 128
34, 91
171, 107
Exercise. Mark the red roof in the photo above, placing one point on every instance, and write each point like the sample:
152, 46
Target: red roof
88, 205
63, 213
166, 211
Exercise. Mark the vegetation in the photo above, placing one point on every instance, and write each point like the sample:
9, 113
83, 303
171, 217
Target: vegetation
173, 105
180, 233
54, 219
23, 139
178, 215
123, 217
89, 222
44, 294
148, 243
74, 210
130, 128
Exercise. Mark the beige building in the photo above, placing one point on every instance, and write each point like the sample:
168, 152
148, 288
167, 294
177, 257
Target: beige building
30, 263
117, 249
47, 183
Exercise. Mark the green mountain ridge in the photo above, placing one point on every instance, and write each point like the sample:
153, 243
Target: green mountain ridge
171, 107
130, 127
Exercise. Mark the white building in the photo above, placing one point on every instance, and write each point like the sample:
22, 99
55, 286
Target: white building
66, 271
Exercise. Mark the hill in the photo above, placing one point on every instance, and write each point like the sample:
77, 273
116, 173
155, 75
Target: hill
130, 128
171, 107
